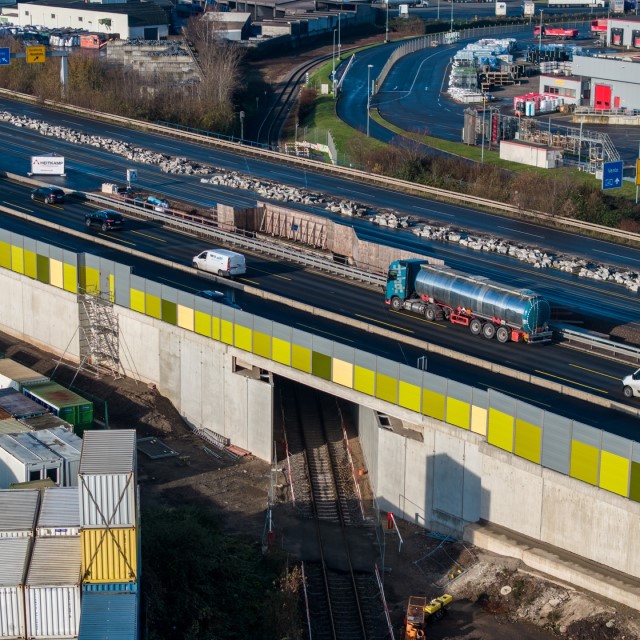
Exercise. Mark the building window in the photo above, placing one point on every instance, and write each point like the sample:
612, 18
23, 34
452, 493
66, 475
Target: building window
79, 18
52, 474
560, 91
53, 16
34, 475
26, 13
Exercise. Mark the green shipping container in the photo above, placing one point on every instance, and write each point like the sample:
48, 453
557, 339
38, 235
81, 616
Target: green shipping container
62, 402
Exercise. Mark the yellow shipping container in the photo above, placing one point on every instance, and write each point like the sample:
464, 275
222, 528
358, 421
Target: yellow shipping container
109, 555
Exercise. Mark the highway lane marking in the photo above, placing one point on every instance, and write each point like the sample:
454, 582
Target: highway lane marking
418, 318
517, 395
617, 255
250, 281
599, 373
146, 235
168, 146
275, 275
387, 324
524, 233
440, 213
579, 384
335, 335
17, 206
113, 133
111, 237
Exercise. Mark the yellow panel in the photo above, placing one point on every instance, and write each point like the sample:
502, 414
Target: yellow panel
528, 441
458, 413
153, 306
202, 323
281, 351
90, 280
109, 555
215, 327
17, 259
30, 268
584, 462
409, 396
614, 473
262, 344
433, 404
136, 300
364, 380
500, 430
242, 337
56, 273
301, 358
479, 420
70, 276
5, 255
226, 331
342, 373
112, 288
185, 317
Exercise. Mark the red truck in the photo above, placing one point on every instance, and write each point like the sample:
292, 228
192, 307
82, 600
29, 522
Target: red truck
556, 32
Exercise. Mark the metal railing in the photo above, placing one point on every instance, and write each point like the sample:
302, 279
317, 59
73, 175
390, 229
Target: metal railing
599, 344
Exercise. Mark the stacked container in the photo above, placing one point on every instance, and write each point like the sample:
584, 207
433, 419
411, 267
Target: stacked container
59, 514
62, 402
15, 375
109, 539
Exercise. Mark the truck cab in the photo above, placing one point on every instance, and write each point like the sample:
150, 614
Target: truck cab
631, 385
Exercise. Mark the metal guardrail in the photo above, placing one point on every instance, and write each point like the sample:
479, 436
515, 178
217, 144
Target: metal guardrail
601, 345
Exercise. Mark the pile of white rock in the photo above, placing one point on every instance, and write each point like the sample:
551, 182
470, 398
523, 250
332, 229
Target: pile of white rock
538, 258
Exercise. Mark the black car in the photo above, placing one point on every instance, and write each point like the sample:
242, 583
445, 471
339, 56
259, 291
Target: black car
106, 219
218, 296
49, 195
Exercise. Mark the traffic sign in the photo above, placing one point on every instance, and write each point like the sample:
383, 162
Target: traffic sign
5, 55
611, 175
36, 54
638, 172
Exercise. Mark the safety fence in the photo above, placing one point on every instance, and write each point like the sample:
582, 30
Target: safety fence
572, 448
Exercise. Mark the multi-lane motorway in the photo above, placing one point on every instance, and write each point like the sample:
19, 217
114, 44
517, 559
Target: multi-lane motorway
87, 168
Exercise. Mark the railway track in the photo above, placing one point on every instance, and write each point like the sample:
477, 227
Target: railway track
343, 599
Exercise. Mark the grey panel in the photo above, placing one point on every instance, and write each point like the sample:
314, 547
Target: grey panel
411, 375
185, 299
91, 261
5, 236
322, 345
57, 253
365, 360
435, 383
301, 338
241, 317
169, 293
262, 325
616, 444
69, 257
344, 353
282, 332
153, 288
107, 266
203, 305
587, 435
17, 240
388, 368
480, 398
635, 452
502, 402
460, 391
556, 443
138, 283
30, 244
529, 413
123, 285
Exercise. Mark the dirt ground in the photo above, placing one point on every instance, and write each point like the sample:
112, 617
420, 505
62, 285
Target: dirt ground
495, 598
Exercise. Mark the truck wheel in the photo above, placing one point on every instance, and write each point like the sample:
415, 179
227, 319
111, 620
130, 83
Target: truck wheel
87, 222
475, 326
628, 392
396, 303
488, 330
430, 313
221, 273
502, 334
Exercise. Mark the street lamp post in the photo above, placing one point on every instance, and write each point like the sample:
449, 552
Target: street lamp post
339, 41
438, 9
386, 31
540, 34
333, 74
452, 15
369, 67
242, 126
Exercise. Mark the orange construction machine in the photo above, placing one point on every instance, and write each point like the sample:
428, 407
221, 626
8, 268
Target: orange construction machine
421, 611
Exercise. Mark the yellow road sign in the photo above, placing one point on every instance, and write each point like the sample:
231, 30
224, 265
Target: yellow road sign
36, 54
638, 172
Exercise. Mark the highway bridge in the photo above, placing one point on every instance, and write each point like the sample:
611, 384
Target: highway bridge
445, 447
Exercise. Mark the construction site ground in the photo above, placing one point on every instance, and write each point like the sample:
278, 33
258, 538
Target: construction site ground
495, 598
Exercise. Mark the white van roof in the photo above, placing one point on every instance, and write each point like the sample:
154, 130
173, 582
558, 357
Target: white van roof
227, 252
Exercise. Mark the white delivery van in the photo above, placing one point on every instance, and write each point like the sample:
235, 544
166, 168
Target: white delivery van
222, 262
631, 385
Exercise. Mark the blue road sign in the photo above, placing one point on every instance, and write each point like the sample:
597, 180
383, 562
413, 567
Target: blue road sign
611, 175
5, 55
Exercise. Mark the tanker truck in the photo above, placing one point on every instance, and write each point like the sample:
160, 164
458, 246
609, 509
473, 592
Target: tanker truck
488, 308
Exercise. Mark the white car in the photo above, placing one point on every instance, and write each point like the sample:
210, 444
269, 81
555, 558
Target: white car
631, 385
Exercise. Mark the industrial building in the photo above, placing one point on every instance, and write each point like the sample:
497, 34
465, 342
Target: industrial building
624, 32
570, 88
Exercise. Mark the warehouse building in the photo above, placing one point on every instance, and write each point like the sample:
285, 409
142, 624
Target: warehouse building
570, 88
624, 32
615, 81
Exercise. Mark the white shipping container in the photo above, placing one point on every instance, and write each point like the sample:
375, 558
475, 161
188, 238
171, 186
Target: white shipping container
18, 511
52, 589
14, 557
14, 375
107, 479
68, 446
60, 513
24, 459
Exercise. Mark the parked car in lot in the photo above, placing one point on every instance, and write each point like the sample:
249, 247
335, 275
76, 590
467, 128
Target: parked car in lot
106, 219
218, 296
49, 195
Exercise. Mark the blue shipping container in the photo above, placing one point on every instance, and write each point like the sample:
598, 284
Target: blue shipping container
109, 615
111, 587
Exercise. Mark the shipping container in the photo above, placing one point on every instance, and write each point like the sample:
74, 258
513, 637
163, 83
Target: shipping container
23, 459
14, 375
14, 558
60, 513
68, 446
112, 587
46, 421
109, 555
18, 512
52, 589
107, 479
11, 425
19, 406
62, 402
109, 615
